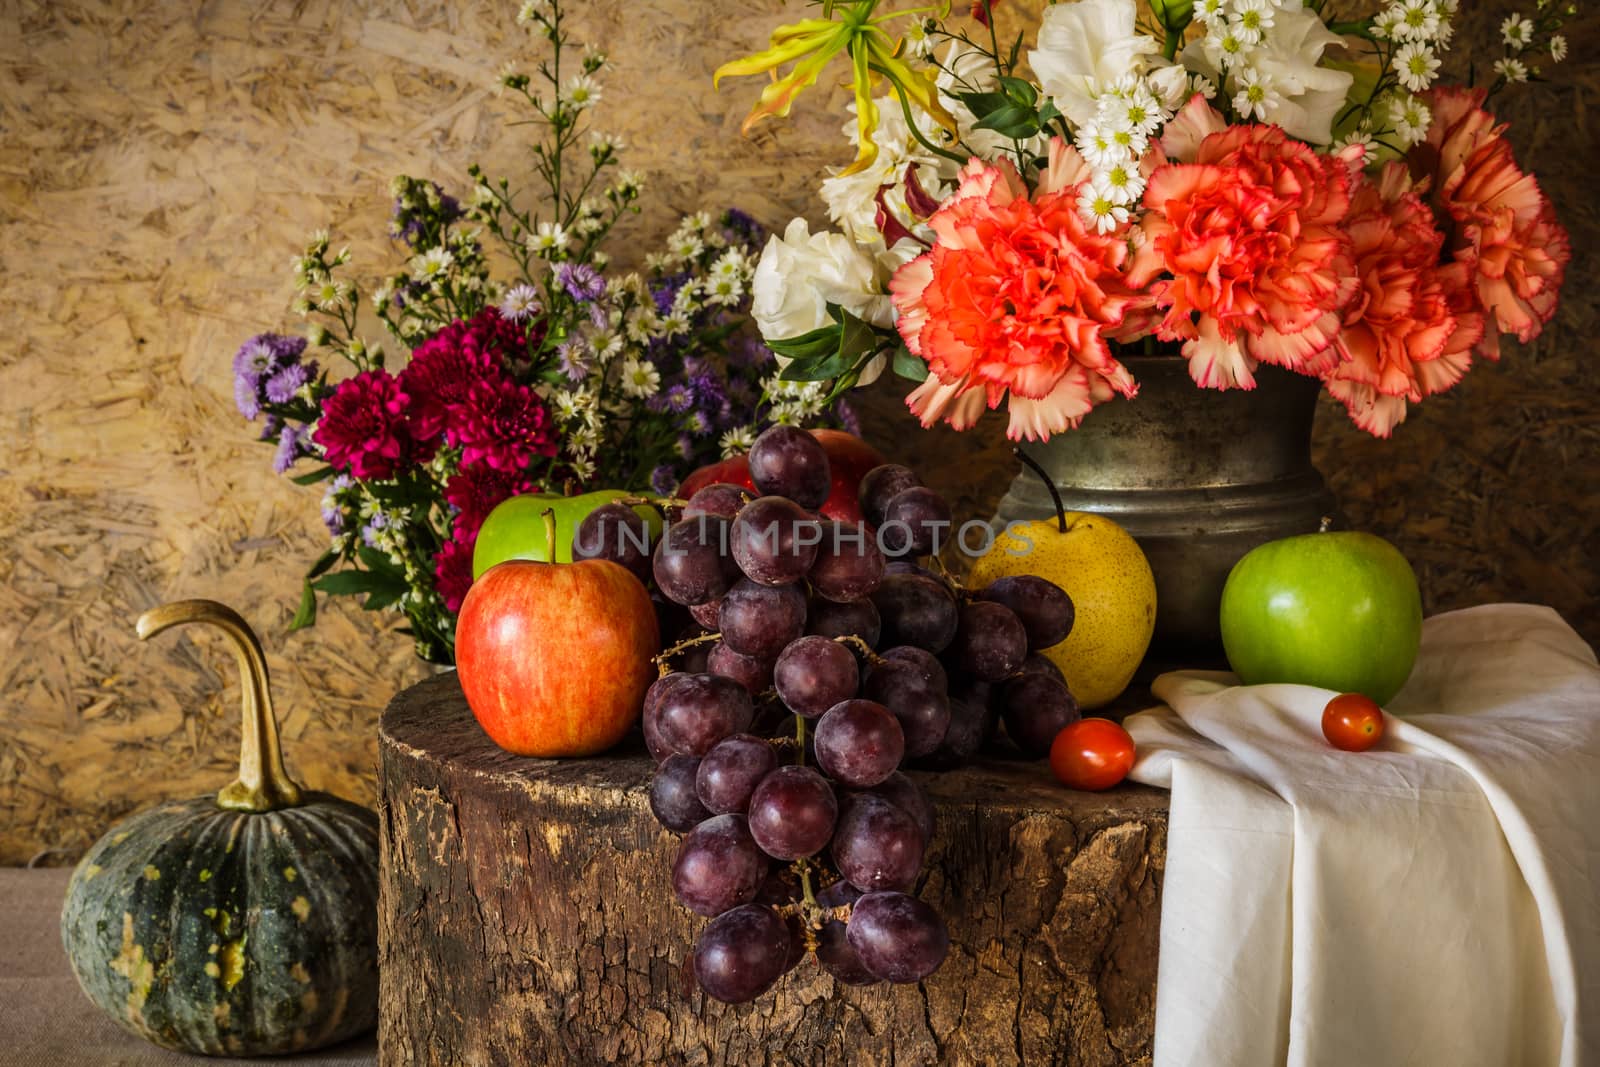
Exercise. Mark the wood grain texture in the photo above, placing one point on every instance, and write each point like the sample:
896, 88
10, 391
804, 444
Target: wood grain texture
162, 160
527, 916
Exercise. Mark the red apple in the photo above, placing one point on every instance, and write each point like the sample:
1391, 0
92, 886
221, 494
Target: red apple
554, 659
849, 459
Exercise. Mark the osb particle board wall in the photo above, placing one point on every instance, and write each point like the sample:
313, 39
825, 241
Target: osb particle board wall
160, 162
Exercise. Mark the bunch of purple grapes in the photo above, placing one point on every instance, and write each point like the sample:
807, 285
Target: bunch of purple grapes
826, 658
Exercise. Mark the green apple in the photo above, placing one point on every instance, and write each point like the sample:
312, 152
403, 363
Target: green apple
1336, 610
515, 529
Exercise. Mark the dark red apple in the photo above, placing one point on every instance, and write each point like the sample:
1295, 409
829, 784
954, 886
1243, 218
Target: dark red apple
849, 459
554, 658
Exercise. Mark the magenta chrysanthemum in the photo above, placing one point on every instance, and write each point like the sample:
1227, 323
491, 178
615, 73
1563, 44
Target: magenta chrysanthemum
445, 367
363, 427
452, 572
476, 491
502, 424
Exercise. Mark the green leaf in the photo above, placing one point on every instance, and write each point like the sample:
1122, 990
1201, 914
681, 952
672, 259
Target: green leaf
1016, 50
313, 477
380, 600
983, 104
1011, 121
308, 608
856, 336
1020, 91
378, 562
1048, 112
818, 342
324, 561
817, 370
908, 366
355, 583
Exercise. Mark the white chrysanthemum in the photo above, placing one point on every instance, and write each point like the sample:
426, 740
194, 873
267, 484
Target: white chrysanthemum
1123, 182
1512, 70
673, 324
1130, 141
582, 92
1411, 118
550, 239
330, 295
566, 405
1098, 207
641, 380
1419, 21
1517, 31
1558, 48
1137, 109
382, 295
686, 246
731, 264
1225, 48
1416, 66
1084, 46
629, 184
1204, 86
1251, 19
1386, 26
1312, 95
431, 265
533, 9
1255, 94
737, 441
600, 141
724, 291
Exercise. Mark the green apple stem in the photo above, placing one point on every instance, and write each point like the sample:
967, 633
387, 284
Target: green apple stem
862, 647
1049, 483
549, 517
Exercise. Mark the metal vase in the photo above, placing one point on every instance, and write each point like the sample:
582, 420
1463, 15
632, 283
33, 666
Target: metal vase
1198, 476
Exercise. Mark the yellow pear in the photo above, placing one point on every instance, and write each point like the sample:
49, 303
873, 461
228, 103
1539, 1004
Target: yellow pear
1104, 571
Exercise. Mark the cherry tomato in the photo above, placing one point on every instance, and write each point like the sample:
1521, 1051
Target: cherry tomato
1352, 722
1091, 754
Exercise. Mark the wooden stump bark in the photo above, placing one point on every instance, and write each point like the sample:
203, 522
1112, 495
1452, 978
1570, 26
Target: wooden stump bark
527, 917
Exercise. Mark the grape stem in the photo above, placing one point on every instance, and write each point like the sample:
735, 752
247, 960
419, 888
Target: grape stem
950, 579
663, 661
862, 647
800, 740
1049, 483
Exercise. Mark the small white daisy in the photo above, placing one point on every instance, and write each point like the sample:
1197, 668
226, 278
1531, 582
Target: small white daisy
1386, 26
1098, 207
1512, 70
1558, 48
674, 324
1211, 12
1419, 20
600, 143
686, 246
1251, 19
724, 291
640, 379
582, 92
431, 264
1360, 138
1097, 147
1122, 182
1416, 66
1140, 110
533, 9
331, 295
1517, 31
550, 239
1255, 94
520, 303
737, 440
1204, 86
1411, 118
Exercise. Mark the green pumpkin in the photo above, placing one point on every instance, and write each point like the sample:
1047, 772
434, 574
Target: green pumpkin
242, 924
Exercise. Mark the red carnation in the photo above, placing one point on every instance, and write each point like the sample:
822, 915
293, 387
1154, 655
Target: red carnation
502, 424
476, 491
452, 572
363, 428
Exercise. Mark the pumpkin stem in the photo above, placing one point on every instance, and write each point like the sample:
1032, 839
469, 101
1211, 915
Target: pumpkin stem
263, 784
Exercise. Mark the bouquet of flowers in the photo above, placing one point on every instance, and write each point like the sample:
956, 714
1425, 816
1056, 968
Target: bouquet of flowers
1255, 181
566, 379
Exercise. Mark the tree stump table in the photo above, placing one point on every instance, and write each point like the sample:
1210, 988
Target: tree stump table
528, 918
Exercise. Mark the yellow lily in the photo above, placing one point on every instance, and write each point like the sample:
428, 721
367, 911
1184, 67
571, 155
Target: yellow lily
812, 43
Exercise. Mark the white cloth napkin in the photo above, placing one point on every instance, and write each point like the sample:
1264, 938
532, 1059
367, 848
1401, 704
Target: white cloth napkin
1434, 900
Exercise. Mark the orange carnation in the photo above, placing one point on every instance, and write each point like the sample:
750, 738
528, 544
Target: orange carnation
1499, 224
1251, 234
1017, 297
1410, 330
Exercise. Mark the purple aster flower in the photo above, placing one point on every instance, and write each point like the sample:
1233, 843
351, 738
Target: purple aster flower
663, 481
332, 512
286, 381
741, 228
685, 445
708, 390
254, 358
699, 424
847, 417
247, 397
293, 443
743, 394
751, 353
665, 290
520, 303
599, 315
678, 399
375, 525
271, 427
581, 281
573, 365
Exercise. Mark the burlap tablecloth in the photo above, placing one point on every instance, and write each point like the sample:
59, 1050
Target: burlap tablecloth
46, 1021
